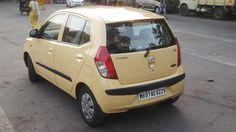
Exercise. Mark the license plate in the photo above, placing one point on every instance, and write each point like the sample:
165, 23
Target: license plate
152, 93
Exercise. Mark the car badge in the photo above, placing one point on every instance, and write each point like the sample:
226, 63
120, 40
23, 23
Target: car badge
151, 62
151, 59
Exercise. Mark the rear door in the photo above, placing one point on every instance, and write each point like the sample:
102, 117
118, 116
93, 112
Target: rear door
142, 50
71, 53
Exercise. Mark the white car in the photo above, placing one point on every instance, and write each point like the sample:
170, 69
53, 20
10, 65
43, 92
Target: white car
150, 5
70, 3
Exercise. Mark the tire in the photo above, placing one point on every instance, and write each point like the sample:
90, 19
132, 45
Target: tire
219, 13
140, 7
33, 77
157, 10
172, 100
87, 102
183, 10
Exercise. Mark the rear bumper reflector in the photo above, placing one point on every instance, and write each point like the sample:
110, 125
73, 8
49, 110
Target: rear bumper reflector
147, 87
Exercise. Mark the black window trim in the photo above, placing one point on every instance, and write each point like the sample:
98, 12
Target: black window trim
49, 18
82, 34
163, 21
67, 19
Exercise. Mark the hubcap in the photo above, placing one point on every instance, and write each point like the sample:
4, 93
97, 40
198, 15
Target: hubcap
157, 11
87, 106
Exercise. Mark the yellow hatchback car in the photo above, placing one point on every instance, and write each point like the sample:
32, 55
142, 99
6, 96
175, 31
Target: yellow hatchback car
110, 59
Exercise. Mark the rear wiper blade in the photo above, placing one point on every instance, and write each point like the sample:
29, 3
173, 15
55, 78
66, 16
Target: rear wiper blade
152, 46
147, 51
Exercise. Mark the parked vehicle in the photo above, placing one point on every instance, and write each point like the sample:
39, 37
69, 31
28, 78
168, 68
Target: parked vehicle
24, 6
116, 59
219, 8
172, 6
71, 3
150, 5
59, 1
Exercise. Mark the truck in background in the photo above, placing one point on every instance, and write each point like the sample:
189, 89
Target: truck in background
218, 8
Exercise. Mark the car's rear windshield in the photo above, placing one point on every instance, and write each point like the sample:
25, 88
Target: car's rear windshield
134, 36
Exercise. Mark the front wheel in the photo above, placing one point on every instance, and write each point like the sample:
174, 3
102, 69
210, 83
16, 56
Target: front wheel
183, 10
140, 7
33, 76
219, 13
89, 108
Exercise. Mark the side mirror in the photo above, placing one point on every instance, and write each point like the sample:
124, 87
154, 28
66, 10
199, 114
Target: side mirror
33, 33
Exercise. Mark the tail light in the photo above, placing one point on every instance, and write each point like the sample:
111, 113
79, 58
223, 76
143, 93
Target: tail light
104, 64
178, 52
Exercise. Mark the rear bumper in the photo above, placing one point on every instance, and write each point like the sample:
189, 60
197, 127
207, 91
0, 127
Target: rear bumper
147, 87
113, 100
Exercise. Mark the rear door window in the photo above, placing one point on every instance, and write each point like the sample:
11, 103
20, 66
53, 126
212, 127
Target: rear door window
74, 29
137, 36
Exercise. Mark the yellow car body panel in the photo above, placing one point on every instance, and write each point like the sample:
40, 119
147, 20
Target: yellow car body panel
115, 104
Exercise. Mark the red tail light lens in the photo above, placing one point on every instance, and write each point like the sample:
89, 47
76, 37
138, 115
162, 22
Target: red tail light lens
104, 64
178, 52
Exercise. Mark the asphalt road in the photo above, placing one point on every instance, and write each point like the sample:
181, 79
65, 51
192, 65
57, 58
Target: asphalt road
208, 103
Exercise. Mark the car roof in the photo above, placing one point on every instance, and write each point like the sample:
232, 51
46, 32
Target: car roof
112, 14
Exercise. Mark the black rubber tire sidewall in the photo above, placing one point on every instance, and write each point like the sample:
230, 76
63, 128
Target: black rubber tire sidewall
140, 7
31, 71
219, 13
98, 116
183, 11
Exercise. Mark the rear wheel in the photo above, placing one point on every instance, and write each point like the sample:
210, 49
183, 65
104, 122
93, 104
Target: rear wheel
89, 108
140, 7
33, 76
183, 10
219, 13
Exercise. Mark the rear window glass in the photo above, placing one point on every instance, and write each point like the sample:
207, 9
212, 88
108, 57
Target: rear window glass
137, 36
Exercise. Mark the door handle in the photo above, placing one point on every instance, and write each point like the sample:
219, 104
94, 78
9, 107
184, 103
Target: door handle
50, 50
79, 57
